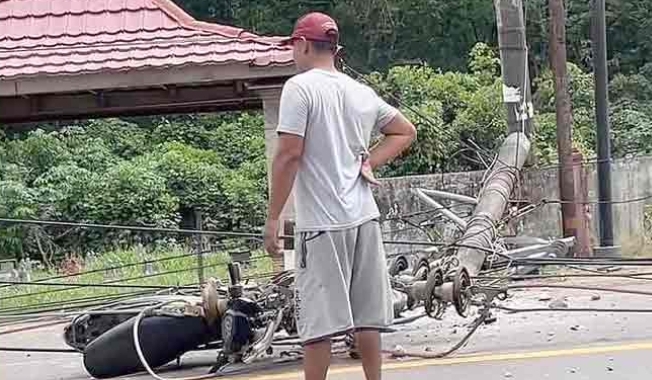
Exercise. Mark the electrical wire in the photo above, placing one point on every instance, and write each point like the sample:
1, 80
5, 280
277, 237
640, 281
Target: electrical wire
547, 262
586, 202
112, 283
242, 235
89, 285
75, 301
129, 265
37, 349
569, 310
221, 233
579, 287
637, 276
100, 270
67, 314
91, 307
28, 328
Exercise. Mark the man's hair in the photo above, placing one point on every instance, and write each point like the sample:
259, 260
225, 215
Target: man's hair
327, 46
324, 46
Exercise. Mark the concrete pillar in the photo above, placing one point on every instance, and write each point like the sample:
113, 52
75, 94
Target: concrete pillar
271, 99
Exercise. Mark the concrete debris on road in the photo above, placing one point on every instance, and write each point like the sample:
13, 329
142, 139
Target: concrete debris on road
399, 349
545, 298
595, 297
559, 303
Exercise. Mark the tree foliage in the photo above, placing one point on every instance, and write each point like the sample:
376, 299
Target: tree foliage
380, 33
454, 110
155, 172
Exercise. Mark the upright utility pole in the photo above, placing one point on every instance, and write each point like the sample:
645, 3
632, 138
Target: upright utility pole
569, 209
599, 29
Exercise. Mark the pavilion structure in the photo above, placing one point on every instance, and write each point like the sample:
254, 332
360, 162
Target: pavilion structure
74, 59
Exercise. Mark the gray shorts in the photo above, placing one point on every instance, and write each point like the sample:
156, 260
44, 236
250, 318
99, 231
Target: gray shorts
342, 283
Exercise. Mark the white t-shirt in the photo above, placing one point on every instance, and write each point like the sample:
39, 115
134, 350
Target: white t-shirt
336, 116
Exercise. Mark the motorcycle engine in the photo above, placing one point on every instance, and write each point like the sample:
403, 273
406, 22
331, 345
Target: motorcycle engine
238, 325
240, 320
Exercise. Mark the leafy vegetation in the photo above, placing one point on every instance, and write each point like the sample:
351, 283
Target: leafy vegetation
155, 172
453, 110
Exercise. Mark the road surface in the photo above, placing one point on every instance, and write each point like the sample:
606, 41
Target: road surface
532, 346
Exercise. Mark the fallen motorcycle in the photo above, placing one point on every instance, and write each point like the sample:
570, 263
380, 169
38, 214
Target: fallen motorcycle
240, 321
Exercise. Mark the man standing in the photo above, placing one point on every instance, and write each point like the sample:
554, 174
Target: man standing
325, 125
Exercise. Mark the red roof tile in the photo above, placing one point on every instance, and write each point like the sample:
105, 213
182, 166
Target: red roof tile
63, 37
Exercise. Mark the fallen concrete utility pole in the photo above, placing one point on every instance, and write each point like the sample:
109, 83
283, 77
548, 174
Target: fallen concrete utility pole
492, 202
450, 280
502, 180
451, 284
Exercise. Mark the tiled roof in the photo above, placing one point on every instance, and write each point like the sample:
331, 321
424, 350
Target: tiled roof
64, 37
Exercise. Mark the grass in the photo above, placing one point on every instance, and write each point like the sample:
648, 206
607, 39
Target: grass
21, 298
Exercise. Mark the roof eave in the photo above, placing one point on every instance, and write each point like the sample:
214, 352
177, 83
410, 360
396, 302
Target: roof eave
142, 78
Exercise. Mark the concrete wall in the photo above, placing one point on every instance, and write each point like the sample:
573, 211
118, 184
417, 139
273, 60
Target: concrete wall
631, 178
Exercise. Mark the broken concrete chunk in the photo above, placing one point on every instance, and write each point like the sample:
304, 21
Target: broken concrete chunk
595, 297
559, 303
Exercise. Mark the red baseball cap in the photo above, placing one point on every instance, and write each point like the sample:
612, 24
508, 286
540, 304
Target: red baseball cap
314, 26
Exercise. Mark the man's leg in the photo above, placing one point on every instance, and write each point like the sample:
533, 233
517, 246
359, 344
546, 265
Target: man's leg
368, 344
316, 360
371, 298
321, 297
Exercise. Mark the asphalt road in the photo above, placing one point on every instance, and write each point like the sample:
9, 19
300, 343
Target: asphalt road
543, 345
